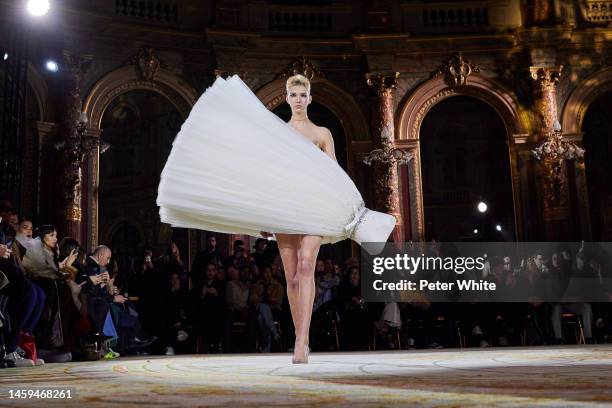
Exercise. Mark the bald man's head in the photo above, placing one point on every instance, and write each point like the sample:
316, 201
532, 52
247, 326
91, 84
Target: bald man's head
102, 254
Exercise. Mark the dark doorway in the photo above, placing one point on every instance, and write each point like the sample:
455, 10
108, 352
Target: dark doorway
598, 165
464, 161
140, 127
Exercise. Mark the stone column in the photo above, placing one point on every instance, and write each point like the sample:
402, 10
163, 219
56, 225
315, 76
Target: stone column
386, 197
71, 149
545, 94
46, 173
552, 174
90, 191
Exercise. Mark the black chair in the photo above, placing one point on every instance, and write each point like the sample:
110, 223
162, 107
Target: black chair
5, 329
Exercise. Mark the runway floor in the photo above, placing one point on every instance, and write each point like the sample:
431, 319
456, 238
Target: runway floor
562, 376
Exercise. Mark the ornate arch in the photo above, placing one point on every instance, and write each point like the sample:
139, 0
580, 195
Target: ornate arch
341, 103
572, 119
116, 223
583, 95
420, 102
436, 90
125, 79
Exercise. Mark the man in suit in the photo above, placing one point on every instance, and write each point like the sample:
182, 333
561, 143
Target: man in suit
97, 287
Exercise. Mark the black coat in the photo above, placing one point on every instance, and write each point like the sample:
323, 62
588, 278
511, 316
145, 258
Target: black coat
92, 268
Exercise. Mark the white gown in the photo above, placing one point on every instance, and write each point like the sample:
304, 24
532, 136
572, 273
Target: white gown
235, 167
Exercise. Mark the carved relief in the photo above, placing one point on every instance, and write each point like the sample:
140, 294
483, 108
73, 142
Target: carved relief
426, 107
301, 66
148, 63
226, 74
456, 70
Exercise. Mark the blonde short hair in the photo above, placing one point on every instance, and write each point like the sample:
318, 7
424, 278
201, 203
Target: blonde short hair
298, 80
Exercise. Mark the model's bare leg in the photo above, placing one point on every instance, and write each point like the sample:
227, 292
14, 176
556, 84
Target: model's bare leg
307, 257
288, 245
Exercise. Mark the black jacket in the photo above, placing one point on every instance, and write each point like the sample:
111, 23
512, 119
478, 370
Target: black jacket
93, 268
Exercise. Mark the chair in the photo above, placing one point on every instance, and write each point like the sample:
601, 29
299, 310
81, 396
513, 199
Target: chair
337, 337
575, 320
442, 324
408, 327
396, 337
5, 323
280, 333
238, 328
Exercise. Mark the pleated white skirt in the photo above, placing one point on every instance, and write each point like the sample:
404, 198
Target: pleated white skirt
235, 167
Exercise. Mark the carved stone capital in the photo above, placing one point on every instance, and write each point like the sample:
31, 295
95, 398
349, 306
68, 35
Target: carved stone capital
545, 94
76, 64
545, 77
383, 83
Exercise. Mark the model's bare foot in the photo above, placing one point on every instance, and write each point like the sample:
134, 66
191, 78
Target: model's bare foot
300, 352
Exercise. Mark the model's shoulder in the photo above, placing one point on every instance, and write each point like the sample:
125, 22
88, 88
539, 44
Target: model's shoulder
323, 131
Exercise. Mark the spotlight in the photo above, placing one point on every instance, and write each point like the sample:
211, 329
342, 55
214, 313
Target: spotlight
5, 56
51, 66
38, 8
482, 206
498, 227
475, 230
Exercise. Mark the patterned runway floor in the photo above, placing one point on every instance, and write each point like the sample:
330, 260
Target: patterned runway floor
563, 376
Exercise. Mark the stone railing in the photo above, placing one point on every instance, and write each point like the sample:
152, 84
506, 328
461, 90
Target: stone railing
157, 11
306, 18
451, 17
299, 21
469, 17
598, 11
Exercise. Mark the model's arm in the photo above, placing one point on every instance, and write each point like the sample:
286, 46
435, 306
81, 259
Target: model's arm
328, 144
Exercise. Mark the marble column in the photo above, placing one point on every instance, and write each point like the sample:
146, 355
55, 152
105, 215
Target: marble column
386, 190
552, 171
71, 149
48, 167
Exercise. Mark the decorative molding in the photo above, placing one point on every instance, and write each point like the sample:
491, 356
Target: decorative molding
383, 83
546, 77
581, 97
126, 79
302, 66
226, 74
416, 107
148, 63
420, 115
545, 95
456, 70
274, 102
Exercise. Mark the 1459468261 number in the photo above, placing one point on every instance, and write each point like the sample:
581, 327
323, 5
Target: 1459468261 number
40, 393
